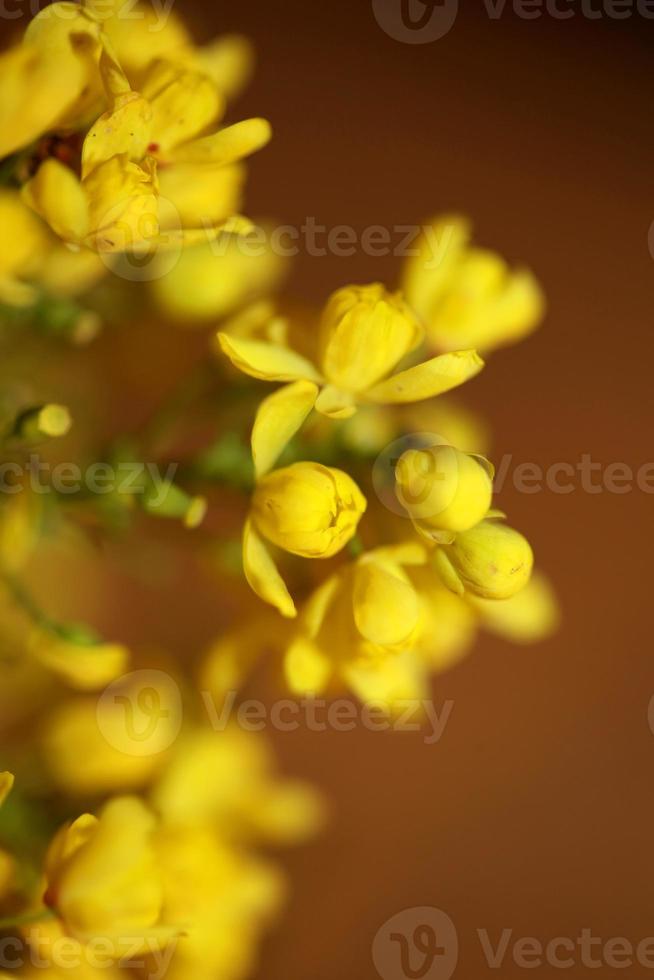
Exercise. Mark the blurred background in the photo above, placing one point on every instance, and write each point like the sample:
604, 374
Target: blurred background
534, 811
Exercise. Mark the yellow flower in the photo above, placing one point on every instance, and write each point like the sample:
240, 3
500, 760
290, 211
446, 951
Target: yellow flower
468, 297
490, 560
205, 284
226, 895
103, 879
141, 35
104, 766
244, 799
147, 178
31, 257
50, 81
357, 627
444, 490
530, 616
365, 332
306, 509
81, 661
6, 782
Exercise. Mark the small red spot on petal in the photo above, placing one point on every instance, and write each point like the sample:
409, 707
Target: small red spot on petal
153, 147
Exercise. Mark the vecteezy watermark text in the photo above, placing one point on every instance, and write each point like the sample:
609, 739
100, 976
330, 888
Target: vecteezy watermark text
156, 12
43, 477
340, 715
426, 21
423, 942
61, 953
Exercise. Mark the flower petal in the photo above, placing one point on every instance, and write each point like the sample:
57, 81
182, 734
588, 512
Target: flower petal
125, 129
227, 145
336, 404
306, 667
431, 378
184, 103
278, 419
268, 362
57, 195
262, 575
385, 605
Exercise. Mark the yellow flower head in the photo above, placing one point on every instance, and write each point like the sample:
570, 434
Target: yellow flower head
146, 175
468, 297
306, 509
51, 80
443, 489
366, 331
491, 560
6, 782
103, 879
356, 626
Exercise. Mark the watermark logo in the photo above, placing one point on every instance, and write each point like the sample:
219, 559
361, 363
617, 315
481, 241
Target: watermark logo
140, 714
416, 21
416, 944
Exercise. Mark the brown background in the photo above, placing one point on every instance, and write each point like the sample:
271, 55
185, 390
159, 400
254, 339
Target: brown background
535, 811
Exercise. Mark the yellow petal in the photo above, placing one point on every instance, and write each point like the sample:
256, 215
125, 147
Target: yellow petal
389, 681
385, 604
336, 404
229, 62
201, 195
278, 419
528, 617
318, 605
57, 195
228, 145
184, 103
86, 668
306, 667
431, 378
123, 205
6, 782
126, 129
268, 362
262, 575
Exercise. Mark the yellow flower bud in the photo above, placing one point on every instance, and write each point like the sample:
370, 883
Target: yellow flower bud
443, 489
491, 560
308, 509
365, 332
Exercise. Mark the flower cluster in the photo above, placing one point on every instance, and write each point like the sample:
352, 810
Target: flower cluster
342, 524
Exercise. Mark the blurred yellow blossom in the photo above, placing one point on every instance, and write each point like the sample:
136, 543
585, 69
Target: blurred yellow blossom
103, 878
82, 661
467, 296
243, 799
